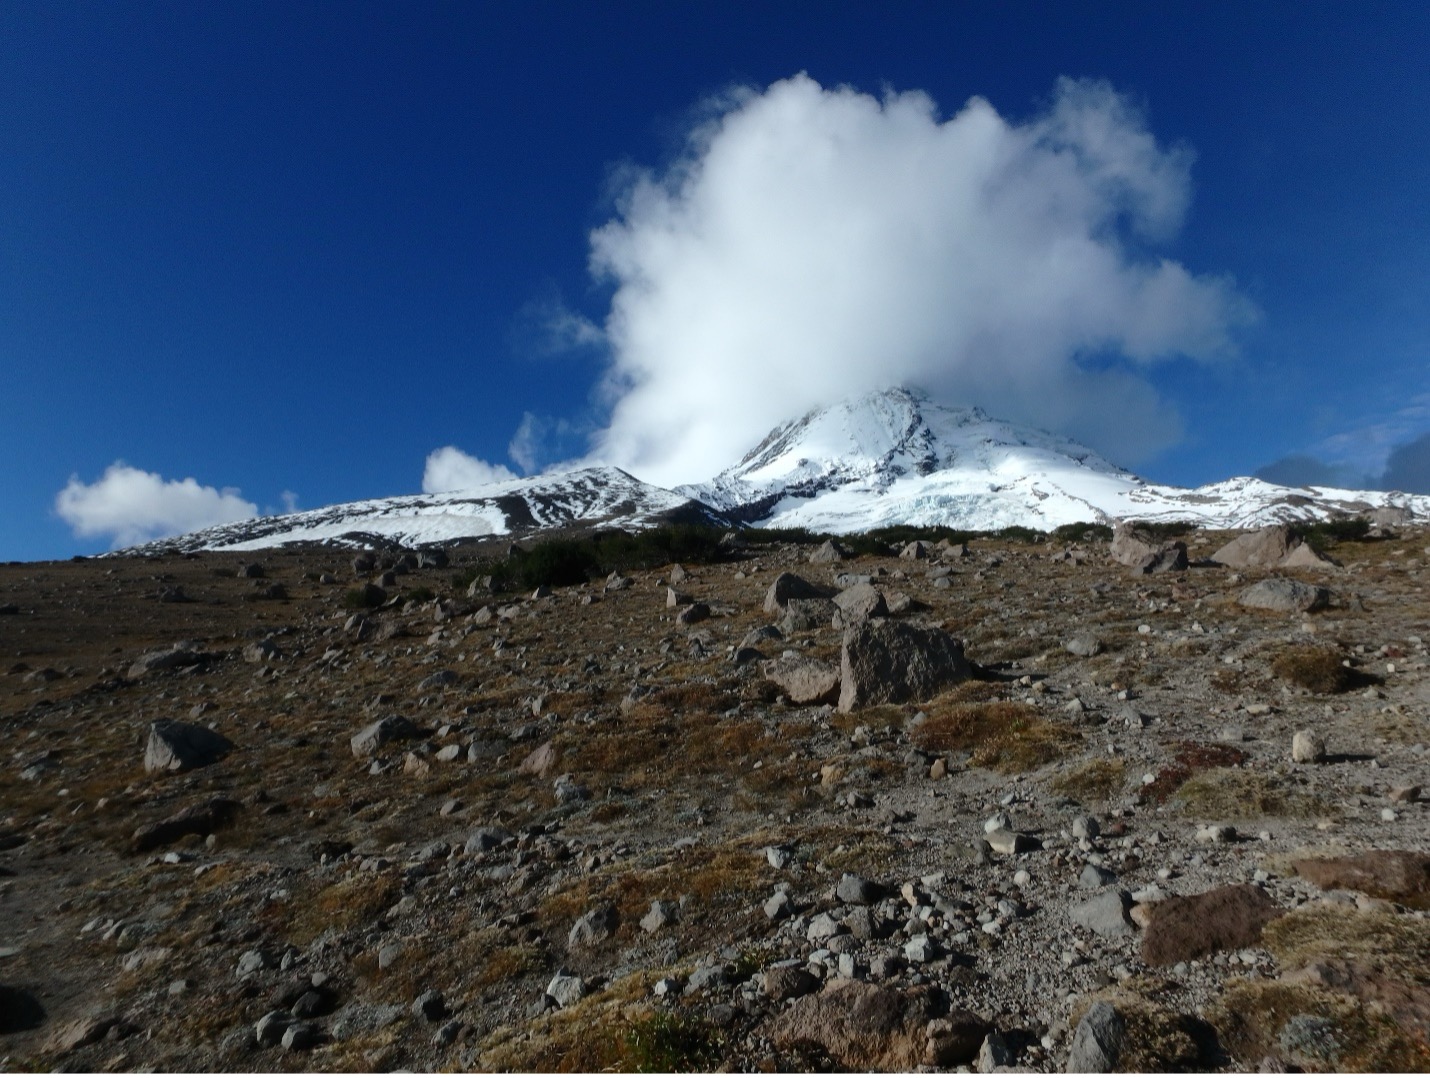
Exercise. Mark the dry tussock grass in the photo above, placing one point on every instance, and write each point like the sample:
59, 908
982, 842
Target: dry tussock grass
1316, 669
1002, 735
1092, 780
1233, 794
1250, 1015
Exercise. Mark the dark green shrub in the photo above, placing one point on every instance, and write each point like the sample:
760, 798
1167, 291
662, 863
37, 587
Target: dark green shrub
1082, 533
1327, 533
1019, 534
672, 1042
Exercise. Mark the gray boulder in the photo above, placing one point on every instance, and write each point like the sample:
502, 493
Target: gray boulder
889, 662
1287, 596
803, 615
179, 746
829, 552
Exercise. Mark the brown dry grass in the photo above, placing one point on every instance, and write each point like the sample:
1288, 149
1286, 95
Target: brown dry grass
1001, 735
1317, 669
1190, 757
1233, 794
1092, 780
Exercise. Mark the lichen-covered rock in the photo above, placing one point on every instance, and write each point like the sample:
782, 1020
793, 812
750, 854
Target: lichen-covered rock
804, 681
181, 746
1287, 596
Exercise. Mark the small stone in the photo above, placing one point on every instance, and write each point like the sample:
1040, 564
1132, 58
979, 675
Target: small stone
565, 989
1307, 747
1085, 827
994, 1053
252, 962
269, 1029
430, 1005
660, 916
778, 906
1008, 842
1104, 914
921, 948
857, 891
1092, 877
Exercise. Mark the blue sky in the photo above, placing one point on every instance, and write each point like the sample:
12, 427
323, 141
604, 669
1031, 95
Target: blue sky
289, 251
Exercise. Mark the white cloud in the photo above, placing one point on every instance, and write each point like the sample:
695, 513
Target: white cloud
134, 506
289, 500
540, 441
812, 244
449, 468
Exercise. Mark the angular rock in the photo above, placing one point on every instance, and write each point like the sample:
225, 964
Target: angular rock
593, 927
180, 746
1224, 919
1084, 645
890, 662
540, 761
1097, 1041
1283, 595
170, 658
1306, 557
1105, 914
1260, 549
390, 728
1169, 558
830, 551
993, 1053
804, 681
661, 915
1307, 747
860, 603
1134, 546
857, 891
787, 586
789, 983
694, 613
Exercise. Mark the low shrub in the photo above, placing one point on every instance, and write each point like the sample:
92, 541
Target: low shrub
1317, 669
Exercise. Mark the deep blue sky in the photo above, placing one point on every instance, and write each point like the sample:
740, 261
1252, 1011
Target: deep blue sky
287, 247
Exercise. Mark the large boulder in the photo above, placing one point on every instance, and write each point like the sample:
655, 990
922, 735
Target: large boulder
1136, 547
829, 552
787, 586
889, 662
170, 658
1191, 926
804, 681
180, 746
1286, 596
1260, 549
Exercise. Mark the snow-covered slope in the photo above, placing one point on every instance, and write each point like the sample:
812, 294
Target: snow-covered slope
891, 457
895, 457
586, 497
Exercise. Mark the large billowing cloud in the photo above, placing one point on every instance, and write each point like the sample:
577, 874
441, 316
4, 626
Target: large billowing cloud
134, 506
449, 468
815, 243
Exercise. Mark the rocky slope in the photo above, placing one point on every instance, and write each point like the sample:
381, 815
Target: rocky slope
1024, 807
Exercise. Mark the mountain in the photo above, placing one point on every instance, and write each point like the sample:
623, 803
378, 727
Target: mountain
889, 457
586, 497
895, 457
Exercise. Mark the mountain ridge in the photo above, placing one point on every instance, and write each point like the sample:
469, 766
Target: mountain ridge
889, 457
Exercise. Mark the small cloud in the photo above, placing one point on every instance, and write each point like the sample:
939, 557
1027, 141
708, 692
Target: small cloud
547, 327
289, 500
134, 506
1407, 468
449, 468
540, 440
1303, 470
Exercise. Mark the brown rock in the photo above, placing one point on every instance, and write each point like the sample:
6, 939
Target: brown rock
863, 1027
86, 1031
789, 983
889, 662
1398, 875
1226, 918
